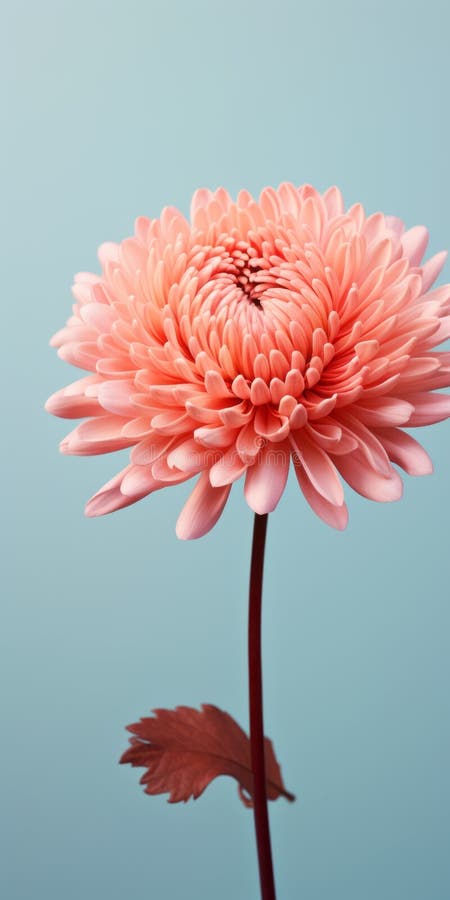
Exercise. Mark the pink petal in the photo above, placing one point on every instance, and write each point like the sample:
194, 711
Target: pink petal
139, 481
383, 411
333, 202
395, 225
189, 456
108, 252
403, 450
369, 445
319, 469
429, 408
414, 243
336, 516
94, 436
432, 268
200, 200
72, 406
74, 332
164, 473
248, 443
109, 497
266, 479
83, 355
115, 396
219, 436
227, 469
358, 473
147, 451
270, 425
99, 316
202, 510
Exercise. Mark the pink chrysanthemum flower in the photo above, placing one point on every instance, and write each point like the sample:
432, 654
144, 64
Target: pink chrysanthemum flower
260, 333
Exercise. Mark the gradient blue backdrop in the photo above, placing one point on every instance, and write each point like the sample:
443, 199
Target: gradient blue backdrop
116, 110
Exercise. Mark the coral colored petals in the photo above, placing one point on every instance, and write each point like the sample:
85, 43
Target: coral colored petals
335, 516
216, 436
76, 333
95, 436
368, 482
154, 445
248, 443
99, 316
236, 416
270, 425
202, 510
367, 443
432, 268
71, 405
171, 422
403, 450
331, 438
277, 325
83, 355
259, 392
109, 497
228, 468
429, 408
166, 474
115, 397
414, 244
319, 468
383, 411
139, 481
266, 479
191, 458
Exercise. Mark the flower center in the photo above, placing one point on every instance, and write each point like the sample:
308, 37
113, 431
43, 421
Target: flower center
250, 272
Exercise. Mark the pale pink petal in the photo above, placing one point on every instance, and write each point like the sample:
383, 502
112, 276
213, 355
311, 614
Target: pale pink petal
432, 268
266, 479
414, 243
190, 456
139, 481
366, 481
429, 408
115, 397
403, 450
202, 510
99, 316
335, 516
200, 201
227, 469
334, 202
319, 468
109, 497
218, 437
95, 436
147, 451
108, 252
72, 406
83, 355
383, 411
395, 225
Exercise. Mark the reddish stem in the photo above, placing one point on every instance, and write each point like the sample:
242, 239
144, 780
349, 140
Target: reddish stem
261, 814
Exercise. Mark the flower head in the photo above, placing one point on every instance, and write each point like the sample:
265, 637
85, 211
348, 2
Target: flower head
259, 334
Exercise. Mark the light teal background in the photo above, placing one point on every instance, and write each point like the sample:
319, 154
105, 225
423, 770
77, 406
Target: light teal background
115, 110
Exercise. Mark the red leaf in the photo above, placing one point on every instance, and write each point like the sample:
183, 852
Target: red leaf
184, 749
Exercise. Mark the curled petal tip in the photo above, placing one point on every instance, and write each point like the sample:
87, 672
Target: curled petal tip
99, 505
90, 510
